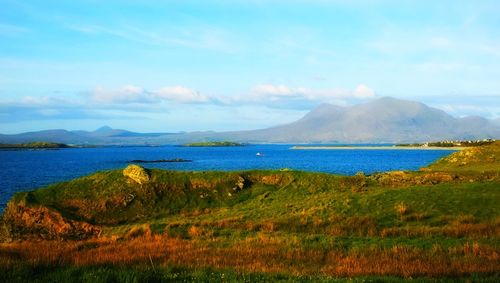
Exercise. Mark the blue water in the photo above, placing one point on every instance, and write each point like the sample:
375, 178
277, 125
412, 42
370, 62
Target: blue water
30, 169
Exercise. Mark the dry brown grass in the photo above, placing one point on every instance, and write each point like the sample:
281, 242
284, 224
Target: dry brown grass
356, 225
263, 253
454, 230
401, 209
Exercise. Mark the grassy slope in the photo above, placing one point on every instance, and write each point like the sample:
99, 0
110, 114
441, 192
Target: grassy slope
449, 206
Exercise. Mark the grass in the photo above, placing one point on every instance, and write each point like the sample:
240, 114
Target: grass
96, 274
440, 222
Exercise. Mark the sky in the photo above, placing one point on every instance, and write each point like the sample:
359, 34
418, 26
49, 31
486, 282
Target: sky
170, 66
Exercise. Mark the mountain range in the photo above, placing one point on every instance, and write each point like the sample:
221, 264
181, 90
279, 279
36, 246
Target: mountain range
385, 120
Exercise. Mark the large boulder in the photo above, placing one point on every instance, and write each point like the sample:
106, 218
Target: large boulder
137, 173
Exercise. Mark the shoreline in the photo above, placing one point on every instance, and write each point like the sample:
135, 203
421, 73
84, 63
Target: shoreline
375, 148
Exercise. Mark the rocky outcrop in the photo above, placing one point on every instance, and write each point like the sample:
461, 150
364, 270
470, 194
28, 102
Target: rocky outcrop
240, 184
23, 222
136, 173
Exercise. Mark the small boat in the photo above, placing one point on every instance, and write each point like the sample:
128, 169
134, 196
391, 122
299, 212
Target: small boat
259, 154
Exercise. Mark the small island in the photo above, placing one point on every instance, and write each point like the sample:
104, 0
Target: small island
450, 143
160, 160
213, 144
35, 145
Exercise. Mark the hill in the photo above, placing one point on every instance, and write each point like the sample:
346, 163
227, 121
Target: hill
102, 136
441, 221
385, 120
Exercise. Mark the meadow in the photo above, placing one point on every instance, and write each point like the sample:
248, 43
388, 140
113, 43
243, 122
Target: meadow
439, 223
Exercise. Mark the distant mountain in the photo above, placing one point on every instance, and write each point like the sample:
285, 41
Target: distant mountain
102, 136
385, 120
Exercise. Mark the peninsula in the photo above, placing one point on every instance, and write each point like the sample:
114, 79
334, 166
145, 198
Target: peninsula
441, 145
393, 147
35, 145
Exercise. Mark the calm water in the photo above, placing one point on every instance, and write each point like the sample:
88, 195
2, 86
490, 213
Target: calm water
29, 169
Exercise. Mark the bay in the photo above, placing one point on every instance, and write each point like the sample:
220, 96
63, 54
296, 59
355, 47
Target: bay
22, 170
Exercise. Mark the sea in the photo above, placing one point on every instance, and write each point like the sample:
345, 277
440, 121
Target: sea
23, 170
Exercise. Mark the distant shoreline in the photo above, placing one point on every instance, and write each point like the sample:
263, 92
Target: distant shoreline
213, 144
376, 148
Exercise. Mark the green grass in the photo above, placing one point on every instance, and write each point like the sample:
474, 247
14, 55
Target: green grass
451, 204
105, 274
293, 201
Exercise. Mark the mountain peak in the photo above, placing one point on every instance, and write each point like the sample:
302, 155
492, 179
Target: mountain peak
323, 111
389, 100
104, 129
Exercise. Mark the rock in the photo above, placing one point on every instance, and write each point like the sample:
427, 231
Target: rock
240, 184
136, 173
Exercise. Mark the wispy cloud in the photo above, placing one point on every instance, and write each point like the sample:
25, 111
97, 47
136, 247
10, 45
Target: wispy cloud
195, 37
132, 100
442, 67
125, 95
299, 98
271, 95
34, 109
133, 94
181, 94
275, 92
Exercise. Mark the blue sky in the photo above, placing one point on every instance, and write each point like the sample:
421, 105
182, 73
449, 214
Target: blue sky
168, 66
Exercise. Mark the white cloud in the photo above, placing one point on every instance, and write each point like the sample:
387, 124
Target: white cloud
134, 94
131, 98
181, 94
363, 92
127, 94
275, 92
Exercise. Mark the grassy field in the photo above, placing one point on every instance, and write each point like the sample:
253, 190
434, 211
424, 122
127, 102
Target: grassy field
439, 223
